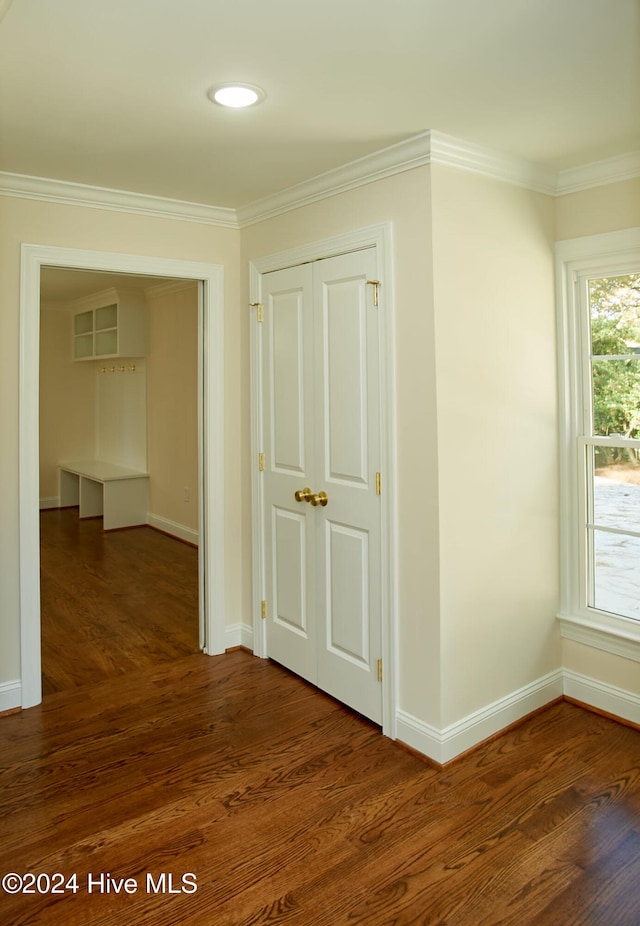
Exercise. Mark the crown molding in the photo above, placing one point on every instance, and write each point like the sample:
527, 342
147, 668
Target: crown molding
599, 173
434, 147
427, 148
94, 300
405, 155
431, 147
170, 288
454, 152
79, 194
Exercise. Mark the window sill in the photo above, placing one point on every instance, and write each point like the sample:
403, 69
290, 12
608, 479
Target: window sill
606, 632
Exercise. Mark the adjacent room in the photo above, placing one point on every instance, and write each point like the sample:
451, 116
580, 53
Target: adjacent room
118, 398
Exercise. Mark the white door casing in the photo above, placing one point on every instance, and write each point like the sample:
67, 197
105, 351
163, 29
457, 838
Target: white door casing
211, 438
322, 396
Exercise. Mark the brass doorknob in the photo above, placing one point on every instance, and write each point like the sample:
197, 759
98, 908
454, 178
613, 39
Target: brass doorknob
319, 498
303, 495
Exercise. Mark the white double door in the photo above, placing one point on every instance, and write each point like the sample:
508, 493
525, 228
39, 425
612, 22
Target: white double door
321, 427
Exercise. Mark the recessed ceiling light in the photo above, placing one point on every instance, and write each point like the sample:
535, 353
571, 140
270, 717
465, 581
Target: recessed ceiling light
236, 95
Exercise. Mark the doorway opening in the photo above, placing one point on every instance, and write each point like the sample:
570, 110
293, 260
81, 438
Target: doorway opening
209, 278
118, 393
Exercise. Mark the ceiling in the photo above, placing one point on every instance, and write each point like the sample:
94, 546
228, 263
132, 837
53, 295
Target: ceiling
113, 93
60, 286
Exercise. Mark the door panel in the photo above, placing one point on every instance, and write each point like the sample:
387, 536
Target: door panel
347, 560
289, 567
287, 386
348, 429
322, 429
287, 410
344, 374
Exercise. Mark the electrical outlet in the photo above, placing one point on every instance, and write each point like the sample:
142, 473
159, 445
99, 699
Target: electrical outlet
186, 493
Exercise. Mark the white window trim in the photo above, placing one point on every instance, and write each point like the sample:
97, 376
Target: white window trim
597, 255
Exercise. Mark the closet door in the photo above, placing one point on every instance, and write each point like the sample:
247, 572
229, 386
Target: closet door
322, 512
289, 442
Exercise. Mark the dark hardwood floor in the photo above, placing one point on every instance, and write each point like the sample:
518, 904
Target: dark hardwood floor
287, 808
112, 602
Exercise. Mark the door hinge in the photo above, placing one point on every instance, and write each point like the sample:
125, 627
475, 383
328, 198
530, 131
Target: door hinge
263, 609
379, 670
375, 284
378, 484
258, 306
261, 462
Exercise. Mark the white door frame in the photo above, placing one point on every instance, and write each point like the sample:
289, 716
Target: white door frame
211, 437
379, 237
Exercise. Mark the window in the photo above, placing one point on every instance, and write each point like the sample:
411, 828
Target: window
609, 456
600, 445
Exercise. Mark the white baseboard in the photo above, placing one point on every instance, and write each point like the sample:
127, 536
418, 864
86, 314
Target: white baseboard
419, 735
443, 745
171, 527
607, 698
53, 502
238, 635
154, 520
10, 695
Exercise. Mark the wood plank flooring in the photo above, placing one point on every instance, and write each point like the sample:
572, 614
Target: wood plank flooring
290, 809
112, 602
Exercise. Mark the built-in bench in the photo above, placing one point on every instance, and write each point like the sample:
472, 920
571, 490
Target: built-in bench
116, 493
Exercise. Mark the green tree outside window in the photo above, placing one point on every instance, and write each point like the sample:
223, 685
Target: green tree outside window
615, 334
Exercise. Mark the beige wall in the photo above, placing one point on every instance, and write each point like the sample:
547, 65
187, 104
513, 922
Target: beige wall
172, 399
497, 442
67, 400
23, 220
609, 668
603, 209
403, 200
476, 444
476, 412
